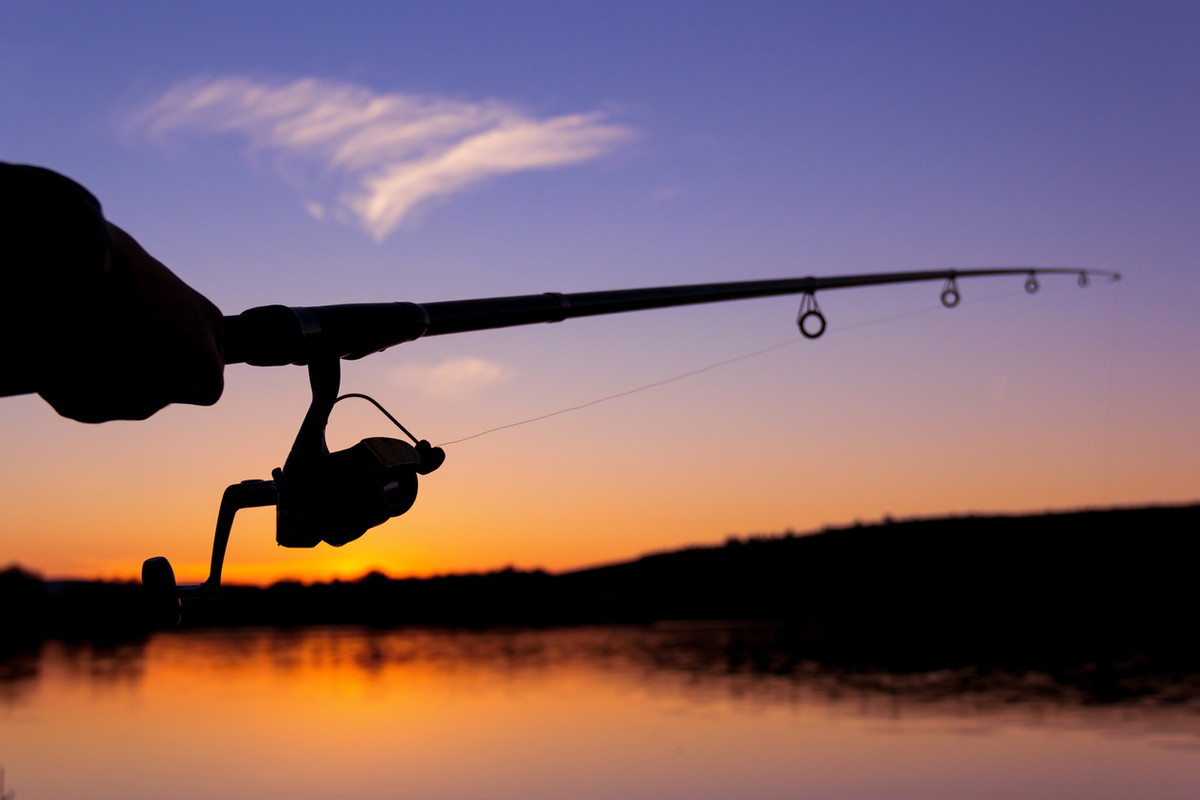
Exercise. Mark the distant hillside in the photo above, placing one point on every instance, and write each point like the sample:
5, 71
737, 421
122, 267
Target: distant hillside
1084, 586
1094, 584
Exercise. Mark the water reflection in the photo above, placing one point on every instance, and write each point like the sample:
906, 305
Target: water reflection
584, 712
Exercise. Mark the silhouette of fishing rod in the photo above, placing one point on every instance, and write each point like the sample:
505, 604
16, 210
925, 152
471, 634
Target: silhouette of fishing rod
335, 497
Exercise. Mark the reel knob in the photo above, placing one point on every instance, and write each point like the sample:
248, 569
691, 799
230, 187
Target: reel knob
163, 606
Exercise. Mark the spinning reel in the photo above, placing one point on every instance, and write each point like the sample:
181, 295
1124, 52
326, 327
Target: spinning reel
319, 496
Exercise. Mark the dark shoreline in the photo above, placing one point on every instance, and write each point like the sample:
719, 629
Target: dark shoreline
1107, 597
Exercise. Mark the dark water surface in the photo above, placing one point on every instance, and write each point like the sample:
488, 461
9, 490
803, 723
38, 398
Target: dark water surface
567, 713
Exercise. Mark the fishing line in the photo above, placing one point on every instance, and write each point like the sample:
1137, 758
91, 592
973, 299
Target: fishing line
724, 363
627, 392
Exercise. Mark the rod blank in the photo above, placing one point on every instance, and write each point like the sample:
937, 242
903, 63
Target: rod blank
275, 335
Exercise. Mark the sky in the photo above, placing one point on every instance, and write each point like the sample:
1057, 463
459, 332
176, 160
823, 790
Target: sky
365, 152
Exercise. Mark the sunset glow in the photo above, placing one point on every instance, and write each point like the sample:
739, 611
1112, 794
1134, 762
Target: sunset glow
427, 152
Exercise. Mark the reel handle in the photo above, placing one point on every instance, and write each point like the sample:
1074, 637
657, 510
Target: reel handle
164, 596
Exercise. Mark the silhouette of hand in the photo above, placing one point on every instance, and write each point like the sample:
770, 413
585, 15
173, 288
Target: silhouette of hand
142, 340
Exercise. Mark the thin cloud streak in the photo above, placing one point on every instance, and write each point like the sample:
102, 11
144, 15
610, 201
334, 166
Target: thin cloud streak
386, 154
452, 379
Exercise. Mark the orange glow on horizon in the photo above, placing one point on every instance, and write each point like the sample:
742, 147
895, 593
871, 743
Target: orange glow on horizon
892, 427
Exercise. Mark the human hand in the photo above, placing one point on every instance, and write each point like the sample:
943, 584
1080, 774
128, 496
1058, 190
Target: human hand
145, 339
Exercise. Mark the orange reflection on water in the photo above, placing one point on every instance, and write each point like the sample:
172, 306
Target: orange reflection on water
603, 712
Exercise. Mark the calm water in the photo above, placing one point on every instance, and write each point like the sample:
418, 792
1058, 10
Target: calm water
587, 713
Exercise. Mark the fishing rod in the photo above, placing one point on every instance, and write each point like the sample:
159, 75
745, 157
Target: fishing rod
276, 335
335, 497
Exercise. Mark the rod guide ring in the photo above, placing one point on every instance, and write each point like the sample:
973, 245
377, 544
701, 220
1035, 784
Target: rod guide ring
819, 319
950, 295
809, 310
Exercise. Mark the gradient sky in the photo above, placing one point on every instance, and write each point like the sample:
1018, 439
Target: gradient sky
355, 152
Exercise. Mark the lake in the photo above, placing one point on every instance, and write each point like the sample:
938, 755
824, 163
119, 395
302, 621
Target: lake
605, 712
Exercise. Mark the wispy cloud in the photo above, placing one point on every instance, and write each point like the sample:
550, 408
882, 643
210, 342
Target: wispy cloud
384, 154
664, 194
453, 378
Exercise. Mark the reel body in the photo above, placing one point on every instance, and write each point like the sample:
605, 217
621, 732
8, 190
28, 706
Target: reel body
344, 494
